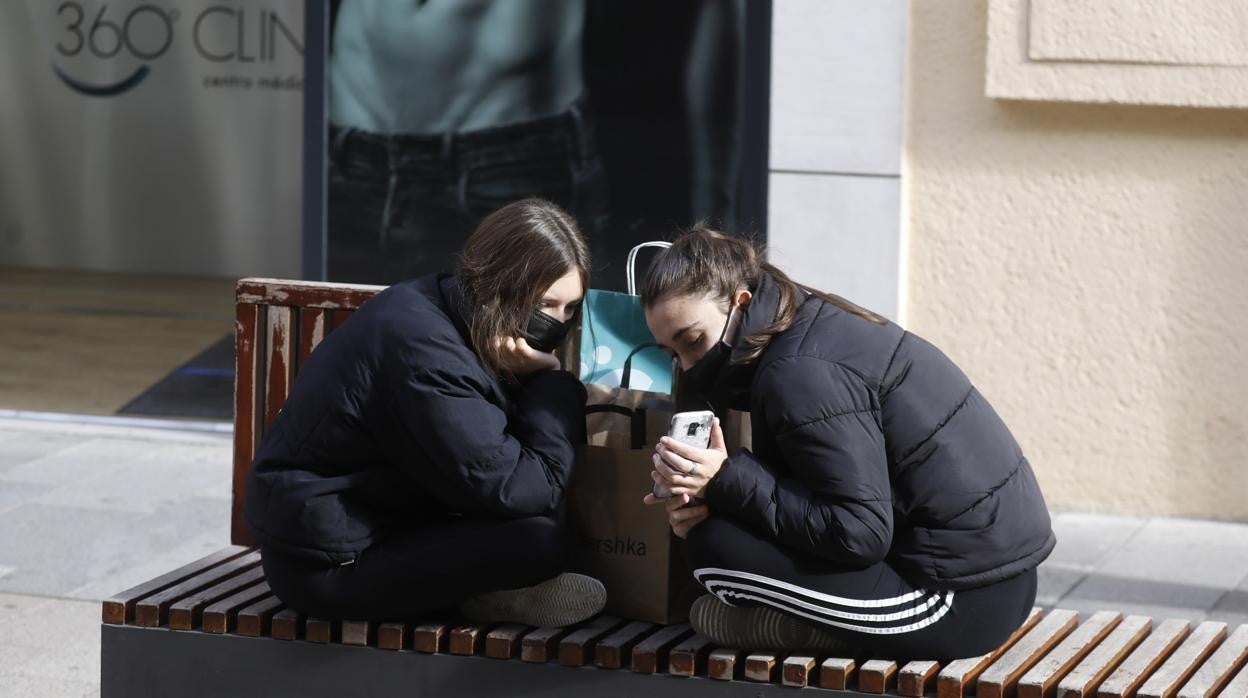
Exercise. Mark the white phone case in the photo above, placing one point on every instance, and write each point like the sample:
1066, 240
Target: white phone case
692, 428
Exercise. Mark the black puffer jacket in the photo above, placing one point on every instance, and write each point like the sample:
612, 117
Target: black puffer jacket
870, 444
394, 420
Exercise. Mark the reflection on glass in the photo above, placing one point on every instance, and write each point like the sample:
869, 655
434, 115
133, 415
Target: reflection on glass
627, 114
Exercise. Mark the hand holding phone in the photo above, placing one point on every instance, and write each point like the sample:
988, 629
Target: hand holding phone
692, 428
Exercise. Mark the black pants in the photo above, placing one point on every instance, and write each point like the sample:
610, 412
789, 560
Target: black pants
412, 572
869, 607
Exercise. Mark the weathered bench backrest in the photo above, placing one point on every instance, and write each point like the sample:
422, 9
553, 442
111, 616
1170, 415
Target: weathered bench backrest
278, 324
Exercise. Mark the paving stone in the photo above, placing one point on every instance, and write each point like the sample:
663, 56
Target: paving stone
194, 549
12, 605
93, 458
1190, 576
55, 625
30, 446
13, 494
1055, 581
1085, 539
1192, 533
92, 544
30, 686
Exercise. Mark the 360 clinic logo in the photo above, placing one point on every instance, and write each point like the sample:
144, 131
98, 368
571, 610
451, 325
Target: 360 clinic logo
146, 32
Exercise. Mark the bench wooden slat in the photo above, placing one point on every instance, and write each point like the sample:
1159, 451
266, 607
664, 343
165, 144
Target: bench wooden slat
119, 609
1238, 687
1041, 681
152, 611
689, 657
542, 645
615, 650
467, 640
837, 672
312, 323
1217, 671
1086, 678
256, 619
960, 673
279, 356
725, 664
359, 633
650, 655
287, 624
504, 641
761, 667
222, 616
246, 411
1165, 682
577, 649
186, 612
321, 630
798, 670
876, 675
306, 294
431, 638
1000, 679
394, 636
1148, 656
913, 678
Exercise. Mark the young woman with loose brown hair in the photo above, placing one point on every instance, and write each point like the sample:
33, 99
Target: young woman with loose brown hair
884, 507
426, 444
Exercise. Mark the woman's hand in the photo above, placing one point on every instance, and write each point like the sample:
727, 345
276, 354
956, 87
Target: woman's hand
681, 514
687, 470
522, 359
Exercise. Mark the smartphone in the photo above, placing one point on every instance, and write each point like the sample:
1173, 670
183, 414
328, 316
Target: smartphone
692, 428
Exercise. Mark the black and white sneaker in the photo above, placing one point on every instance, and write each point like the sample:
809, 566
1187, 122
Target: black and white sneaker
566, 599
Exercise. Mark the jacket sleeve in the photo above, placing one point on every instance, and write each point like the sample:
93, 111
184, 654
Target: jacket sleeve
833, 499
481, 461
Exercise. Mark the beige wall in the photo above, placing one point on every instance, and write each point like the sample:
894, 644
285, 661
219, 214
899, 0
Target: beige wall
1087, 265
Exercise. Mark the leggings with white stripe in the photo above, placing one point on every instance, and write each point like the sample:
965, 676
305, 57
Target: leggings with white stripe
873, 607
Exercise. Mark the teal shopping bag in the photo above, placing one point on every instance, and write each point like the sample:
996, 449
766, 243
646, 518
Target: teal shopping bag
617, 348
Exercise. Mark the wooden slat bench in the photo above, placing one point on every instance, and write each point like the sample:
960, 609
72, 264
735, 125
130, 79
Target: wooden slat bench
214, 628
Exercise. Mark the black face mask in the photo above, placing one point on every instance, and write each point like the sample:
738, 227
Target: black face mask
545, 333
698, 382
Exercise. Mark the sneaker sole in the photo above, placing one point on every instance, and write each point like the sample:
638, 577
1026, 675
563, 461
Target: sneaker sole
566, 599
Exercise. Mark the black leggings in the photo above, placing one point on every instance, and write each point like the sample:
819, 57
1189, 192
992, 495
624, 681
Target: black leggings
869, 607
412, 572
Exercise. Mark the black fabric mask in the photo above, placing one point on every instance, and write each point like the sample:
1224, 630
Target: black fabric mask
698, 382
545, 333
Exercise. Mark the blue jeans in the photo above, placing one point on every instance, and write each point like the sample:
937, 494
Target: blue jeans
403, 205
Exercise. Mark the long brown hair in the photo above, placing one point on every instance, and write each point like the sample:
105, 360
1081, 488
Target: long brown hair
507, 265
708, 263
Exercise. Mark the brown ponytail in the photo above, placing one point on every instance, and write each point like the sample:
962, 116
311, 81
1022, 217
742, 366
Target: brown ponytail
708, 263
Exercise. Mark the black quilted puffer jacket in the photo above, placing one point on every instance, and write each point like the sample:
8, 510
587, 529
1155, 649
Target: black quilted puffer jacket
394, 421
869, 445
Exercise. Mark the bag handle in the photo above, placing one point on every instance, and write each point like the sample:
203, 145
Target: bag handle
626, 374
630, 268
637, 424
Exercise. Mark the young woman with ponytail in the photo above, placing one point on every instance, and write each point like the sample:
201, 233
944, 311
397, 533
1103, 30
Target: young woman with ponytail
885, 506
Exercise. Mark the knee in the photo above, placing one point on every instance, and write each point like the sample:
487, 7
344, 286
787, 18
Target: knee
711, 543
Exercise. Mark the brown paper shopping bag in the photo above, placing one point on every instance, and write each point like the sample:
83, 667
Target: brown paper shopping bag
620, 540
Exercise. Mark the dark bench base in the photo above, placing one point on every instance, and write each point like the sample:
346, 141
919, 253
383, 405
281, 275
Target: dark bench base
141, 661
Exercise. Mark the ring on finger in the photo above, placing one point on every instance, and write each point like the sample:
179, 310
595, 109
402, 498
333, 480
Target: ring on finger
693, 469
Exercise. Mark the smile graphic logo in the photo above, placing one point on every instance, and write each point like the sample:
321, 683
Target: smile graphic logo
145, 33
102, 90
